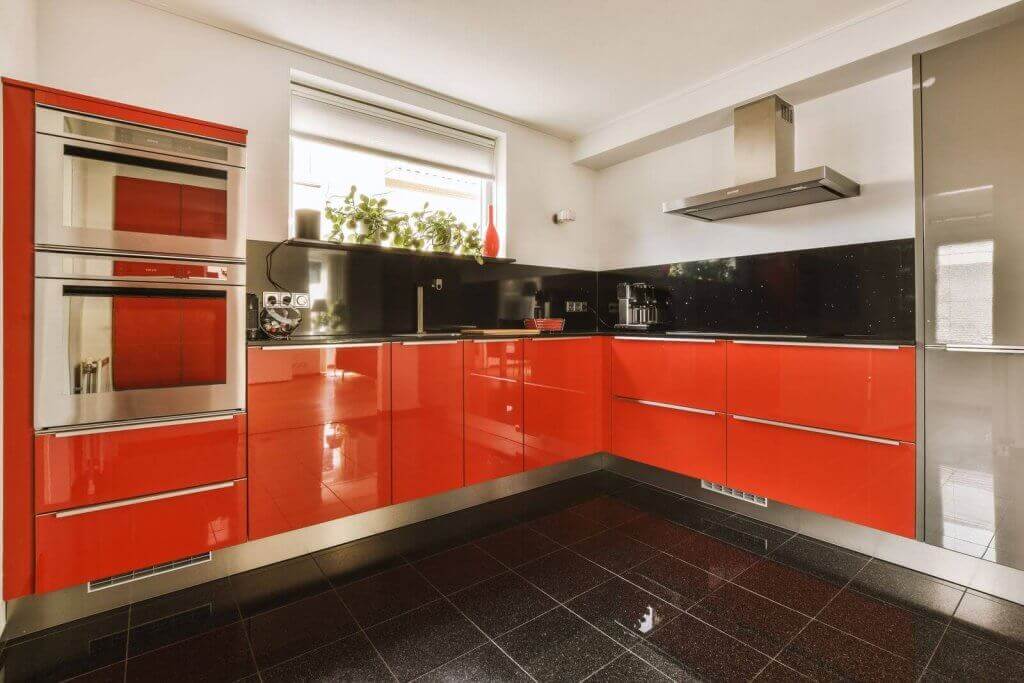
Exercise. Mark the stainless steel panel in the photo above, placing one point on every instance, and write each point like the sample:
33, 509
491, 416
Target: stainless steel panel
85, 266
972, 184
56, 404
974, 468
763, 139
74, 201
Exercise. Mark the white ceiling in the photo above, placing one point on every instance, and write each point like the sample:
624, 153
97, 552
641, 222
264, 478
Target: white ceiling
564, 66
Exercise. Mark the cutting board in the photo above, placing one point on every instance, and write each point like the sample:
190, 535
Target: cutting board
503, 332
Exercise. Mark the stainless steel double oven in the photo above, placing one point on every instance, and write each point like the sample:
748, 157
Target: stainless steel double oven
139, 273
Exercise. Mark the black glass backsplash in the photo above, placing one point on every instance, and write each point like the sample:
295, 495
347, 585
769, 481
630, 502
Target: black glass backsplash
855, 291
359, 292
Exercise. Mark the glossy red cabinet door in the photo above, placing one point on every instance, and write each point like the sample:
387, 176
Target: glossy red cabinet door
494, 387
145, 342
861, 481
204, 212
427, 420
684, 372
678, 441
292, 387
303, 472
96, 544
74, 471
149, 206
862, 390
562, 401
203, 341
489, 456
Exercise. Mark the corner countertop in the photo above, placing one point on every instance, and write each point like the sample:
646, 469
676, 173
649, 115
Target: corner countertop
371, 338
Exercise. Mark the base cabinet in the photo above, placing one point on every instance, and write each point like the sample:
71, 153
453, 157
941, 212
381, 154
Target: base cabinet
427, 452
866, 482
674, 439
94, 543
490, 457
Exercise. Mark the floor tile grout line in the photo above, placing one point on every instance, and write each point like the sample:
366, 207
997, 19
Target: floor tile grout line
938, 643
367, 637
490, 639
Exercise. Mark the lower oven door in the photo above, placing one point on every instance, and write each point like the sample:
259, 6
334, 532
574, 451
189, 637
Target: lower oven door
114, 350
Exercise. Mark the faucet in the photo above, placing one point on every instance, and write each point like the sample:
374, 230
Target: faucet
437, 284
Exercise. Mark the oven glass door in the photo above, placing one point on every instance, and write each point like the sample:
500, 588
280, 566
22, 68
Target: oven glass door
114, 351
106, 196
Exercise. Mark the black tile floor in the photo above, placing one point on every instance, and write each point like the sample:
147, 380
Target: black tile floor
597, 578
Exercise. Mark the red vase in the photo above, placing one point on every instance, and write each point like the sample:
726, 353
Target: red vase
492, 244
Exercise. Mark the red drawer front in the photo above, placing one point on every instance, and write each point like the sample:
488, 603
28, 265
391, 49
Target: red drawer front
686, 373
684, 442
94, 545
427, 420
847, 389
87, 469
305, 476
296, 387
562, 399
860, 481
489, 456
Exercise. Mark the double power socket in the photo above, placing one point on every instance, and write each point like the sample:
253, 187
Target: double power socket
285, 299
576, 307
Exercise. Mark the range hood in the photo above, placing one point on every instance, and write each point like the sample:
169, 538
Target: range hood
766, 181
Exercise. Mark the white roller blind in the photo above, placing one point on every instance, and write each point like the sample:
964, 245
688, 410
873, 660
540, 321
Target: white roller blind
340, 120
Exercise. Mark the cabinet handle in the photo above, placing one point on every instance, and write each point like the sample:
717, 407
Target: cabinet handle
686, 340
124, 427
824, 345
817, 430
971, 348
553, 339
430, 343
672, 406
143, 499
506, 340
296, 347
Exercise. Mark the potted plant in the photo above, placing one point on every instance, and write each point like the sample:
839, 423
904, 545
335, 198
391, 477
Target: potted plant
441, 231
363, 220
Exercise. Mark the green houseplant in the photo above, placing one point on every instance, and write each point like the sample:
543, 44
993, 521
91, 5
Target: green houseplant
362, 219
442, 231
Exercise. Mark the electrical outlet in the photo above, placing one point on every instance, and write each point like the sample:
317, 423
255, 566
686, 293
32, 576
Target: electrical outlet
575, 306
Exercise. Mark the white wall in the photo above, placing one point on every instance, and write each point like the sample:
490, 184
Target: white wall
864, 132
123, 51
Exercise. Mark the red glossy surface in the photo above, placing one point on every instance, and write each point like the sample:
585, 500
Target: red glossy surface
860, 481
18, 214
678, 372
858, 390
687, 443
95, 545
88, 469
204, 212
203, 341
149, 206
494, 387
562, 402
489, 456
427, 420
322, 449
125, 112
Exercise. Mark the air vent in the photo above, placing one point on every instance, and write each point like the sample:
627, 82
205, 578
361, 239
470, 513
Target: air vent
147, 572
734, 493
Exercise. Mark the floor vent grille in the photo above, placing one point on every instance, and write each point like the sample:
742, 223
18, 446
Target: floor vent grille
147, 572
734, 493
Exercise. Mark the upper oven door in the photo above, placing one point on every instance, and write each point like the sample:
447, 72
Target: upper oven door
113, 186
143, 343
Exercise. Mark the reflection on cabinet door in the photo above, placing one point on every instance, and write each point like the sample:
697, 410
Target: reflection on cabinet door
489, 456
427, 440
678, 371
494, 387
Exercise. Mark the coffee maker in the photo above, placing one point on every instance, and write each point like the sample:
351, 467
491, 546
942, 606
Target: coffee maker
641, 306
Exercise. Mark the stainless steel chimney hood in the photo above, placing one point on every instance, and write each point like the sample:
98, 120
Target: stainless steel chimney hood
763, 141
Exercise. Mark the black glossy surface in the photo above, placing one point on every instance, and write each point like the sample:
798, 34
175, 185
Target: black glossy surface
701, 606
861, 290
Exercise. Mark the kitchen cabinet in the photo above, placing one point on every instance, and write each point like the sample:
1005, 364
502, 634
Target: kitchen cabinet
682, 440
867, 481
77, 470
319, 434
494, 408
490, 457
86, 544
679, 371
563, 398
862, 389
427, 453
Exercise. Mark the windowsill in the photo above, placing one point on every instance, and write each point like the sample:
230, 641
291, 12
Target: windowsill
378, 249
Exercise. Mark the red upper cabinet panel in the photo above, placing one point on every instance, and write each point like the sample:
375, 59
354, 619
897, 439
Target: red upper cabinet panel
494, 387
684, 372
427, 419
856, 389
861, 481
87, 469
292, 387
563, 402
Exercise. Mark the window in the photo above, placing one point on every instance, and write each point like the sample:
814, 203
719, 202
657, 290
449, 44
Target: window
337, 142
